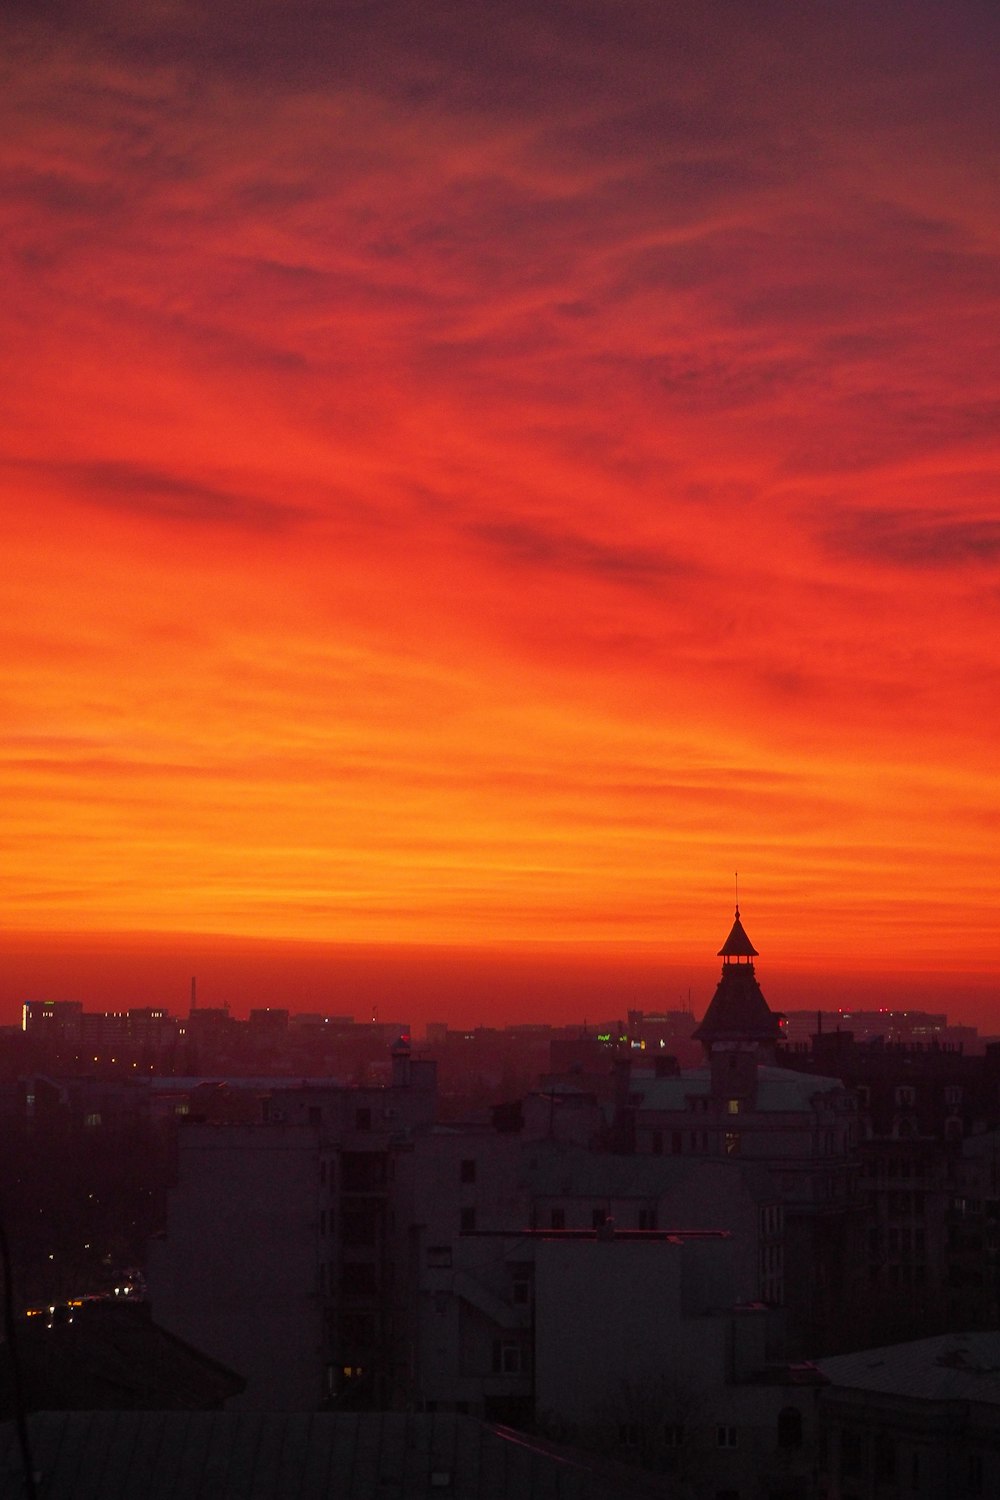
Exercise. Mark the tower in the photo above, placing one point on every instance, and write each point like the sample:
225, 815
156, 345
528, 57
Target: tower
739, 1029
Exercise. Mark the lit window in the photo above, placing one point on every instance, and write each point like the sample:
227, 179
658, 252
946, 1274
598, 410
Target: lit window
732, 1106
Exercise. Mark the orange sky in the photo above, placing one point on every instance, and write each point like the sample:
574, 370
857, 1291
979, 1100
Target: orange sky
478, 476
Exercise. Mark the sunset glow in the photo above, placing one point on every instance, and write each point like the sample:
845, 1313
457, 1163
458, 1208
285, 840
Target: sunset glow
477, 477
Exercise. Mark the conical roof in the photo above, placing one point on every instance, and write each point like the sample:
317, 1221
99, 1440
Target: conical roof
737, 944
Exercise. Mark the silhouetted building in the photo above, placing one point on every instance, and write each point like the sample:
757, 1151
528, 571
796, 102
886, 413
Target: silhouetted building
913, 1419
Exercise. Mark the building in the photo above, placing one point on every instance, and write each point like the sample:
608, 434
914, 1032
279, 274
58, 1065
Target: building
801, 1128
911, 1420
277, 1259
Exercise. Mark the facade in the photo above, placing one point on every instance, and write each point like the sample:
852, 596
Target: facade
236, 1274
927, 1116
911, 1420
277, 1255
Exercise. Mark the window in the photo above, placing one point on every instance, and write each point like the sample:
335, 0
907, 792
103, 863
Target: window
357, 1332
673, 1435
359, 1224
558, 1218
363, 1171
629, 1434
790, 1428
725, 1437
468, 1170
510, 1358
647, 1218
358, 1278
732, 1106
467, 1221
657, 1144
363, 1119
884, 1458
676, 1142
599, 1217
851, 1453
439, 1257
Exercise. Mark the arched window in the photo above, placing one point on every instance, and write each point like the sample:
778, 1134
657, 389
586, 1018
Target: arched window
790, 1427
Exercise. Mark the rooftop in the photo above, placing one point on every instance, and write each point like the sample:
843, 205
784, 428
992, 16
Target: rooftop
311, 1456
948, 1367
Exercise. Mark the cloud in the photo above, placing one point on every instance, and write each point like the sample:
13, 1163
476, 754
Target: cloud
917, 540
525, 388
131, 488
521, 542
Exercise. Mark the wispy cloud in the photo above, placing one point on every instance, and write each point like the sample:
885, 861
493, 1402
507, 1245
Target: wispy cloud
416, 416
916, 539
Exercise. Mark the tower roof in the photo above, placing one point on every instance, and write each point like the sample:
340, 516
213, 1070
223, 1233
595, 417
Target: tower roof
738, 1012
737, 944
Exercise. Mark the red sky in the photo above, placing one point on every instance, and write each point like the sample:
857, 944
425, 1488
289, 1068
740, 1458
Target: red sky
474, 477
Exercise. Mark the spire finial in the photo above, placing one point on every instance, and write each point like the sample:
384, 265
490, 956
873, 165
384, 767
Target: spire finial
737, 892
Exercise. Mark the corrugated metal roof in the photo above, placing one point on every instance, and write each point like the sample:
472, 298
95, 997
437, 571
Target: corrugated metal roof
301, 1456
948, 1367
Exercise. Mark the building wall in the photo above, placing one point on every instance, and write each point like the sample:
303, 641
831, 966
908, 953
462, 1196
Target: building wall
610, 1313
237, 1272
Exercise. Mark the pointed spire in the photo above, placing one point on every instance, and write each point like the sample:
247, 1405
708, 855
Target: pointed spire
737, 944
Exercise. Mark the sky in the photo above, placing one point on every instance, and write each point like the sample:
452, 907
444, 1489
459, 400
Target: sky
476, 477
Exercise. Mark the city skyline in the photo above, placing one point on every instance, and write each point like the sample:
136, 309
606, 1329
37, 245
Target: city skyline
474, 482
